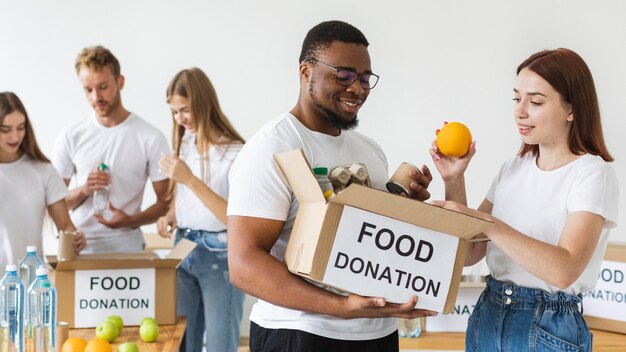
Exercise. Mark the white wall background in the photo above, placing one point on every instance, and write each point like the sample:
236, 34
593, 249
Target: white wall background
438, 60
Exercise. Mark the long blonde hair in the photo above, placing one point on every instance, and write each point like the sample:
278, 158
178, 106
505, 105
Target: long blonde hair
212, 125
206, 112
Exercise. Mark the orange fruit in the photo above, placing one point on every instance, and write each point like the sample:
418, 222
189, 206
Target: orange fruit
454, 139
74, 344
98, 345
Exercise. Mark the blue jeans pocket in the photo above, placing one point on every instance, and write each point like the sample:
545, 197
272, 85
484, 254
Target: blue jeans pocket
547, 342
215, 242
562, 331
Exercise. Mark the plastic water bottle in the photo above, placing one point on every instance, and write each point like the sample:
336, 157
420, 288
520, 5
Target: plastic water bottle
42, 314
11, 311
321, 174
28, 265
410, 327
101, 197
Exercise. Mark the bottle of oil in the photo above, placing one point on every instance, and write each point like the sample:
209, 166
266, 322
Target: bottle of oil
321, 174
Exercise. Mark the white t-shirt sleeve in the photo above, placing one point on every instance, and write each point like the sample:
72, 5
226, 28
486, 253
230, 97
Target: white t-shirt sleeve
62, 156
596, 191
54, 186
257, 185
155, 149
491, 193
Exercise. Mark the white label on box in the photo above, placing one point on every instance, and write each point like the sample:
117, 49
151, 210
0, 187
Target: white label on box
457, 320
128, 293
376, 255
607, 299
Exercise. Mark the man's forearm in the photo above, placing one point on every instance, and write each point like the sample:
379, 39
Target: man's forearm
75, 198
148, 216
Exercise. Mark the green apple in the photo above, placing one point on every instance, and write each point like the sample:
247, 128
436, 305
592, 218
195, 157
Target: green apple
128, 347
119, 322
148, 320
107, 331
149, 332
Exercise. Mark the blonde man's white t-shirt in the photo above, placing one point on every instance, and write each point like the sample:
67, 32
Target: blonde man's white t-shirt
259, 189
537, 203
132, 151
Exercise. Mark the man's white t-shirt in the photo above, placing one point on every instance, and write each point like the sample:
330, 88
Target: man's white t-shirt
537, 203
132, 151
190, 211
27, 188
259, 189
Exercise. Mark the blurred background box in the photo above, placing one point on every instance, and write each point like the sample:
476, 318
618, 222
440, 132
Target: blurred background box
604, 306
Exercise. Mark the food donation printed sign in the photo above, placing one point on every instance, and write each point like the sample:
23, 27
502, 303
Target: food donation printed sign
377, 255
607, 299
128, 293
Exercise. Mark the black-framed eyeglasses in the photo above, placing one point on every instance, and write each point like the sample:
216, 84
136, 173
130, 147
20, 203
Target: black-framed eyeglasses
347, 77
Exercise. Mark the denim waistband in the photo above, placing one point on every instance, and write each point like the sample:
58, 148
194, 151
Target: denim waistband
529, 298
191, 234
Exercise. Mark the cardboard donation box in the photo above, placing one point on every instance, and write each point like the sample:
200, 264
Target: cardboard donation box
131, 285
374, 243
456, 321
605, 305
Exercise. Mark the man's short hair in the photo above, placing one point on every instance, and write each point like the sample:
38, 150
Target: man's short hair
97, 58
324, 34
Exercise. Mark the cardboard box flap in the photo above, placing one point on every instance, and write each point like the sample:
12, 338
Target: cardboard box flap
124, 260
97, 264
412, 211
301, 248
181, 251
615, 252
298, 173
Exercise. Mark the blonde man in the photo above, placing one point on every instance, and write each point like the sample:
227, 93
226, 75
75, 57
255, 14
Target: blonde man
128, 145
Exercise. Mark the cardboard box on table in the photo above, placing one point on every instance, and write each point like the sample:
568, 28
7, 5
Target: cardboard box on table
131, 285
374, 243
604, 306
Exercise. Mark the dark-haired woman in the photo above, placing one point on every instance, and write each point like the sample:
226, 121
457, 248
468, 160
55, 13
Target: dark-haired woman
29, 185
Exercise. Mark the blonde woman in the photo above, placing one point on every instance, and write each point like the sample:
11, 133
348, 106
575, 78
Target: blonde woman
205, 146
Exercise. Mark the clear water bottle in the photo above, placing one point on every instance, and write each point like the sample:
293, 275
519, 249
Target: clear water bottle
42, 314
321, 174
101, 197
11, 311
28, 265
410, 327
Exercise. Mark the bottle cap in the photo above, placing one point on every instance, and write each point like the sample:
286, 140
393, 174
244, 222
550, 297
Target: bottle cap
11, 267
31, 249
103, 167
41, 272
321, 171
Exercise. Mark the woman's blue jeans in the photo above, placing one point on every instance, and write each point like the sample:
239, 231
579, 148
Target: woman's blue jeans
508, 317
206, 296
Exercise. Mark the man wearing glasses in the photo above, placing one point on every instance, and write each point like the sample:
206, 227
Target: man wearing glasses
292, 314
